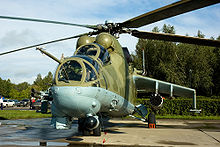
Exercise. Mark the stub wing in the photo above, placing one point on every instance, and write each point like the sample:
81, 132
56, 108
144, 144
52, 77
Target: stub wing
146, 84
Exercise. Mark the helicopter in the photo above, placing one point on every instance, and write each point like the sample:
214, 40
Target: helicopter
99, 81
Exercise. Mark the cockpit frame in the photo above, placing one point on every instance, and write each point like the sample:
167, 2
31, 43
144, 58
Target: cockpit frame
68, 82
102, 54
90, 44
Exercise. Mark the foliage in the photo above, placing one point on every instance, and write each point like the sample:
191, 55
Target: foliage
188, 65
209, 107
5, 87
43, 83
23, 90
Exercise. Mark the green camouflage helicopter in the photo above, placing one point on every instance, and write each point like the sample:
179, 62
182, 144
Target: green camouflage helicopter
99, 80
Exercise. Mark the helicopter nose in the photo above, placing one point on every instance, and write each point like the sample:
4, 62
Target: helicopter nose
72, 102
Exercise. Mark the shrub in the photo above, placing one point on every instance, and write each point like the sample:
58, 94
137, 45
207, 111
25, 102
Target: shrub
209, 107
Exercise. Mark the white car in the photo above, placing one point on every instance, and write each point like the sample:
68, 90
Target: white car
8, 103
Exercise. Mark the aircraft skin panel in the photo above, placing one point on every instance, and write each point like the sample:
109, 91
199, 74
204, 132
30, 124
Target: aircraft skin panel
81, 101
152, 85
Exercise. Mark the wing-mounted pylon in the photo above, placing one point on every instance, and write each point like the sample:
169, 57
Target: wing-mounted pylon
146, 84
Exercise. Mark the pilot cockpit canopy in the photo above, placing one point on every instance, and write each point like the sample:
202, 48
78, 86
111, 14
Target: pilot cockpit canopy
94, 50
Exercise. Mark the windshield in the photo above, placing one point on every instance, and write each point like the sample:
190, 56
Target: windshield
90, 60
87, 50
95, 50
71, 70
90, 73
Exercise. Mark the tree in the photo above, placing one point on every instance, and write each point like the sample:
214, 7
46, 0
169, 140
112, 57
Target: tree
5, 87
216, 74
168, 29
197, 63
183, 64
14, 94
43, 83
22, 86
38, 81
25, 93
160, 57
47, 80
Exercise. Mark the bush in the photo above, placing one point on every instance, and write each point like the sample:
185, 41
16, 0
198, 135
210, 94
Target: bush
209, 107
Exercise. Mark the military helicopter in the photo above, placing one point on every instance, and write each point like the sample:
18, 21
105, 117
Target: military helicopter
99, 80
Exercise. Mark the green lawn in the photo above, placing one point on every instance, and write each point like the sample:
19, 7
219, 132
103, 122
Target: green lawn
187, 117
21, 114
27, 114
197, 117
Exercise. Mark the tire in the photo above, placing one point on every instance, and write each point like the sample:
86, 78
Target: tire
80, 124
86, 132
97, 131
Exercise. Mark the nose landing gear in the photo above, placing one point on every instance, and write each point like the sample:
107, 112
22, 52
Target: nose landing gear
89, 126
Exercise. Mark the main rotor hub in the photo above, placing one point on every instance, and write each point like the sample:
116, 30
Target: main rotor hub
112, 28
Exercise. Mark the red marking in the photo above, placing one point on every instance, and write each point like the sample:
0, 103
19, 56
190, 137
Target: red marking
105, 133
151, 125
103, 141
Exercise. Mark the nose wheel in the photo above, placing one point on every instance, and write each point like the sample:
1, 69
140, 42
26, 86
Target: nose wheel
84, 126
97, 131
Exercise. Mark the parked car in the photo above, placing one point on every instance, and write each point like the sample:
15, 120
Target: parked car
8, 103
16, 102
24, 103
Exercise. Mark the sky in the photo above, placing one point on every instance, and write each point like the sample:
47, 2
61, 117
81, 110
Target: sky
24, 66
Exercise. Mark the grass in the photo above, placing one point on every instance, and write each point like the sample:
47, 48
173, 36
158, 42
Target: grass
28, 114
186, 117
197, 117
21, 114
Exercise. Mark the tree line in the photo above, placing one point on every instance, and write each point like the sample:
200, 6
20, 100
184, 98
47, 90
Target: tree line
188, 65
23, 90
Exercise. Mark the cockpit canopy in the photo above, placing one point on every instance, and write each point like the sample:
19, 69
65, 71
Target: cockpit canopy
70, 70
94, 50
83, 66
77, 69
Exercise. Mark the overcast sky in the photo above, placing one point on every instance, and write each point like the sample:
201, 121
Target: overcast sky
25, 65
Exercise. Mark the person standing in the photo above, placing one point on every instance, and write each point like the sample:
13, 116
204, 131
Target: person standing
1, 103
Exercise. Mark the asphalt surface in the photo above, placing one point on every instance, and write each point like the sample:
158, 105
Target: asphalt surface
117, 132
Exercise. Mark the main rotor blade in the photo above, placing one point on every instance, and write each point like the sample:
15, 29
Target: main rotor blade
49, 42
48, 21
175, 38
168, 11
